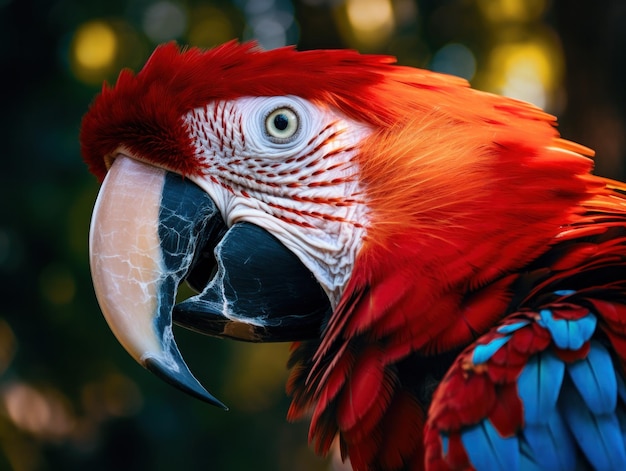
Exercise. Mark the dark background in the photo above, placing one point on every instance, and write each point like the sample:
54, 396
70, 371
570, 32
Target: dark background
70, 397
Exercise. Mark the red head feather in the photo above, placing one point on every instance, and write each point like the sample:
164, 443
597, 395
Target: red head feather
143, 112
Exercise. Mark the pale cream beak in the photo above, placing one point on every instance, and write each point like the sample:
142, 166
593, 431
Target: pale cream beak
133, 284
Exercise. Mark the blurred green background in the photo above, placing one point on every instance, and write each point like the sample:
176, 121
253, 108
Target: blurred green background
70, 397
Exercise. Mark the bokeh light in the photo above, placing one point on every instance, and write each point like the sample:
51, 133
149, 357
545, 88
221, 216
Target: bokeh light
164, 21
370, 16
368, 23
527, 70
115, 395
270, 22
44, 413
499, 11
94, 49
455, 59
95, 45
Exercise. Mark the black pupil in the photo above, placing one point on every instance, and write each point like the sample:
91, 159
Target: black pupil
281, 122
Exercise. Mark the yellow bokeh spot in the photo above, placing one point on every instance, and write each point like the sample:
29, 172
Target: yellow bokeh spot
512, 10
523, 59
530, 70
95, 46
369, 16
367, 23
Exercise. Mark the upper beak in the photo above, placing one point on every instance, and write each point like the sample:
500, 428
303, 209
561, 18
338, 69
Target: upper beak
152, 229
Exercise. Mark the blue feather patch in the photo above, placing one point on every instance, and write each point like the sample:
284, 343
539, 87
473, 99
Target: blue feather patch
598, 435
510, 328
484, 352
486, 449
594, 377
549, 445
527, 463
564, 292
538, 386
568, 334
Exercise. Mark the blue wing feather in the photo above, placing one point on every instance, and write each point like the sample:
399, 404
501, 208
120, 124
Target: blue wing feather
587, 326
510, 328
484, 352
538, 386
594, 377
598, 435
550, 445
488, 450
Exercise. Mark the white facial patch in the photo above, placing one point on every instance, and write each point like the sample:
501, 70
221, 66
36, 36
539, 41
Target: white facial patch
288, 166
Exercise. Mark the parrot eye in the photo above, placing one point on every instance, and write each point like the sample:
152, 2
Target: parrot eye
282, 125
277, 125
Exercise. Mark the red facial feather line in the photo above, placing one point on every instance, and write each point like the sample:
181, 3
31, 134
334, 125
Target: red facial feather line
253, 181
334, 135
314, 214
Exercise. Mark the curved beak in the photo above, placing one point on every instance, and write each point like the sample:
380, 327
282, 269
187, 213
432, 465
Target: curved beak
133, 280
150, 231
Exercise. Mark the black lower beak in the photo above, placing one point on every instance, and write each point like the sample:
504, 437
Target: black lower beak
261, 292
151, 230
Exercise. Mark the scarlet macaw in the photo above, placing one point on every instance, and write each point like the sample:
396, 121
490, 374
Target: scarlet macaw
452, 275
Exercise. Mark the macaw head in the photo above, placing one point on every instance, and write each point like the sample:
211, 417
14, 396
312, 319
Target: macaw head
307, 195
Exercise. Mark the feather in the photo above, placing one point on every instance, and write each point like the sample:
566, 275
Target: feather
484, 352
598, 435
397, 446
594, 378
507, 415
488, 450
549, 444
566, 333
510, 328
368, 385
539, 386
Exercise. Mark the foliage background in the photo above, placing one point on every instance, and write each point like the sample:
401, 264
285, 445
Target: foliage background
70, 397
